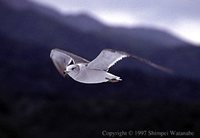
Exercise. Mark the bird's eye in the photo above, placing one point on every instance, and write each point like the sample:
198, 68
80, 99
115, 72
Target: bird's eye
71, 62
73, 68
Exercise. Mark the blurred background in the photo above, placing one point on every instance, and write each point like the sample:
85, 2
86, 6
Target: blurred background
35, 101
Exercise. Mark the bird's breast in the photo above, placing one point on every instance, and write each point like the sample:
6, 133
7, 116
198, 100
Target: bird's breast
91, 76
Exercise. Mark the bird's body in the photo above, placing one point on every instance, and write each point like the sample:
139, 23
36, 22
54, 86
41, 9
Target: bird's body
96, 71
87, 75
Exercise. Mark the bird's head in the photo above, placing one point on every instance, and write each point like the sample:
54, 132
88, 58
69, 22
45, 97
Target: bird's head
71, 69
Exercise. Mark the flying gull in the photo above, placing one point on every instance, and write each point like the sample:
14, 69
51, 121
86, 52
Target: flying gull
95, 71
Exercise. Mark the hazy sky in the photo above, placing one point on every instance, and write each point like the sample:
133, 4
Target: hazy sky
181, 17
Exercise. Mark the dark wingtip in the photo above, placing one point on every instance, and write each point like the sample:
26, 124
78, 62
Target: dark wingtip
156, 66
167, 70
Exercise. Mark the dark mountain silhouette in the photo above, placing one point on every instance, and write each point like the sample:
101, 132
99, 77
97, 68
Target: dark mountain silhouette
35, 101
140, 36
86, 23
17, 5
31, 25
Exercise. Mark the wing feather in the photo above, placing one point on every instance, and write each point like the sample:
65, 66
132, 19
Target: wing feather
109, 57
148, 62
63, 58
77, 59
106, 59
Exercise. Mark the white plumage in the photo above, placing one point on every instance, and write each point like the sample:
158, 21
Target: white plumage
95, 71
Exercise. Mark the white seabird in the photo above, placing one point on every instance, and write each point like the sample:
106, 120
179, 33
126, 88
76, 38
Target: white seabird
96, 71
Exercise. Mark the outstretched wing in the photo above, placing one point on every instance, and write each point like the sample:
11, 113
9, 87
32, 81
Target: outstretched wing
63, 58
109, 57
106, 59
159, 67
